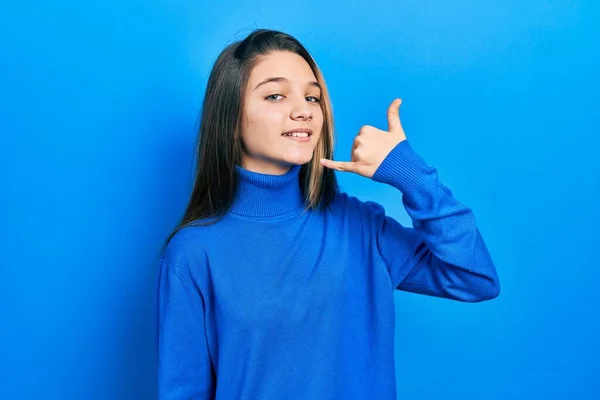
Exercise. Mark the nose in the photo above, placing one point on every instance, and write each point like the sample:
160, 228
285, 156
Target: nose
301, 109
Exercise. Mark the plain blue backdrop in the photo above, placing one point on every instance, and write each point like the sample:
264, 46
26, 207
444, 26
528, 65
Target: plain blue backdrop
99, 106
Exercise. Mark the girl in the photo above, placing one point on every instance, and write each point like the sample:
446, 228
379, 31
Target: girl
278, 285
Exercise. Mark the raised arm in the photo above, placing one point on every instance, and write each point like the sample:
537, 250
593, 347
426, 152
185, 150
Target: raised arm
444, 254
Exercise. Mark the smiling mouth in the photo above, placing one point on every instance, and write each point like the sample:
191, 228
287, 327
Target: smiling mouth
298, 133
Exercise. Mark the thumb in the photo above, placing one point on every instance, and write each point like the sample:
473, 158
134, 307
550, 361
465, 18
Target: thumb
394, 116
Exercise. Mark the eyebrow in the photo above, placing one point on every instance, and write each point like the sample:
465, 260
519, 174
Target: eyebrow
281, 79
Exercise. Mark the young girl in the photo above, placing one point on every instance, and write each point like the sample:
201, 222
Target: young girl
278, 285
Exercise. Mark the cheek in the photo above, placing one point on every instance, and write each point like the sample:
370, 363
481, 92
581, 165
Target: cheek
319, 122
265, 121
261, 126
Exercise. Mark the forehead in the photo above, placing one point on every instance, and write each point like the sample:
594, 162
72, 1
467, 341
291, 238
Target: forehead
282, 63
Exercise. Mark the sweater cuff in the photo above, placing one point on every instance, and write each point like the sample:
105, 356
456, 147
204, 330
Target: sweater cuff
402, 168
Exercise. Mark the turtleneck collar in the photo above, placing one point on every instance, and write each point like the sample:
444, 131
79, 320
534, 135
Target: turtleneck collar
264, 195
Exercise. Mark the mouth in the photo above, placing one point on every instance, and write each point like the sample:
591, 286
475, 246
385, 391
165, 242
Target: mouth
301, 134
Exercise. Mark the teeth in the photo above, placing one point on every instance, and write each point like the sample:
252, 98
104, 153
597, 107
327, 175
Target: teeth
297, 134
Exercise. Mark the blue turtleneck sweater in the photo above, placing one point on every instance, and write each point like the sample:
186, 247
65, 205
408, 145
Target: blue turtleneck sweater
275, 303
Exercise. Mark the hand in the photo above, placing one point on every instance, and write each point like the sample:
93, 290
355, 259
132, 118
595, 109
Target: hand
372, 145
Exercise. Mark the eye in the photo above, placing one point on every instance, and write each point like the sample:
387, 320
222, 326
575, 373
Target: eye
316, 99
270, 97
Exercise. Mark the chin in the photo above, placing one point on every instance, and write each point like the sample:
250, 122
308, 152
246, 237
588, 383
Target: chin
299, 160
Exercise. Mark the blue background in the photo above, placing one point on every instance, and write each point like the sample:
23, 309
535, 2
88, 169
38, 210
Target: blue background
99, 106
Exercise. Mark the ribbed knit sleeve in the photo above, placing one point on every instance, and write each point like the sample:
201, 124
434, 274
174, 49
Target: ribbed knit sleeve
184, 367
444, 254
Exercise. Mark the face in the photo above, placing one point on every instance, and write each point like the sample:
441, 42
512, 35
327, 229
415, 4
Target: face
282, 95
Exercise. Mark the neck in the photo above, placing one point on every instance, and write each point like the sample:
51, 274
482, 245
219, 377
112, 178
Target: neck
266, 195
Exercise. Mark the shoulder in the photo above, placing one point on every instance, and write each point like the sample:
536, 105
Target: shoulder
186, 250
355, 207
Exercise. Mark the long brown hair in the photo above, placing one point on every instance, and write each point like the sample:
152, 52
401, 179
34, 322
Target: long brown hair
219, 136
